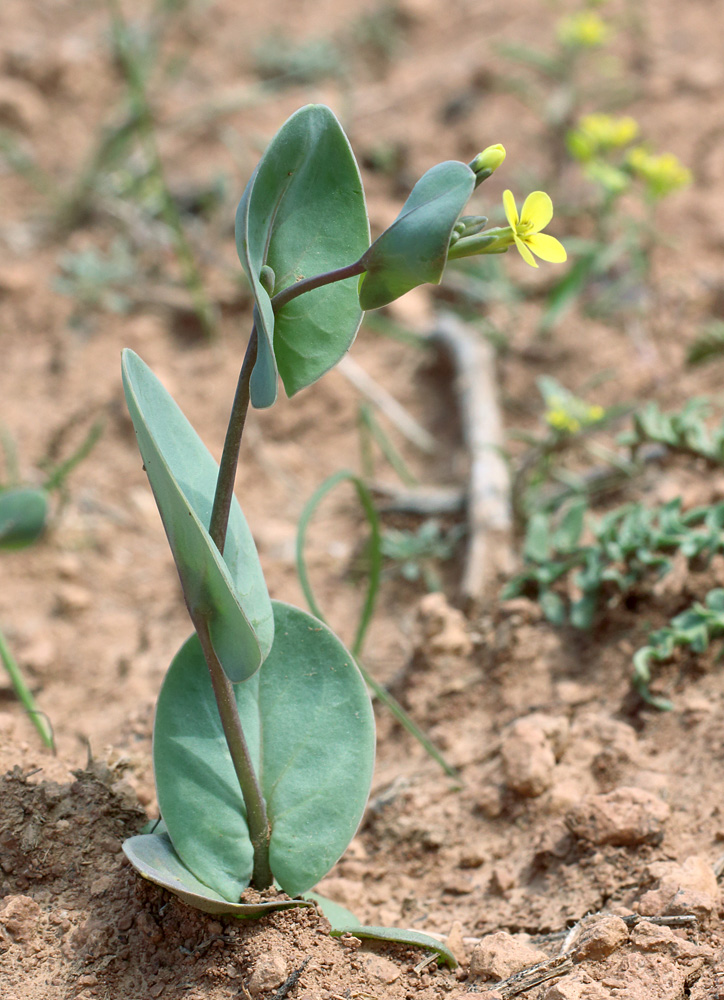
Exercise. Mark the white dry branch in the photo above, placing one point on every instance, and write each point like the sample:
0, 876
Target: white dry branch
488, 496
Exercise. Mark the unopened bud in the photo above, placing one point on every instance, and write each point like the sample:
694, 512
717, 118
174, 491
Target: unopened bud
468, 225
487, 162
267, 279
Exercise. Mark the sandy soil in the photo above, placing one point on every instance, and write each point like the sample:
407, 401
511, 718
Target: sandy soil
574, 800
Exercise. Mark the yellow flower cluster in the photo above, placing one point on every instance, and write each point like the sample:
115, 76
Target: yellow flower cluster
565, 421
662, 174
584, 30
600, 133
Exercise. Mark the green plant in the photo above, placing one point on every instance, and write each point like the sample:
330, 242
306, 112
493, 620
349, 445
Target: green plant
264, 737
685, 431
573, 580
568, 422
414, 554
95, 280
694, 628
24, 512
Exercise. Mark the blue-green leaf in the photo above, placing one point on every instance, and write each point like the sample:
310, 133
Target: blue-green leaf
23, 513
229, 592
303, 213
414, 249
308, 723
345, 922
153, 857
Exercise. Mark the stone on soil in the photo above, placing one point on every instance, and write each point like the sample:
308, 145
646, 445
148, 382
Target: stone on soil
577, 986
624, 817
688, 888
19, 917
500, 955
529, 750
269, 973
600, 939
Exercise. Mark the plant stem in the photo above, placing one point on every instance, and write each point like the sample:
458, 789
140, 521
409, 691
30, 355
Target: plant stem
256, 815
257, 819
232, 444
317, 281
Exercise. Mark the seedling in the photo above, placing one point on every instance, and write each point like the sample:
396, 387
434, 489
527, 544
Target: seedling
264, 735
24, 512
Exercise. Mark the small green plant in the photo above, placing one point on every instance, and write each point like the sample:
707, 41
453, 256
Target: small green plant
694, 628
94, 280
628, 545
415, 554
573, 580
24, 512
568, 422
264, 736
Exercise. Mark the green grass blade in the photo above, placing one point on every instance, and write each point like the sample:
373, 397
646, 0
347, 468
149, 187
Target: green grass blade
375, 571
25, 696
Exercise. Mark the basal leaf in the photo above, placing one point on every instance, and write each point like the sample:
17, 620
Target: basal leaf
344, 922
302, 214
308, 723
229, 592
23, 513
401, 935
153, 857
414, 249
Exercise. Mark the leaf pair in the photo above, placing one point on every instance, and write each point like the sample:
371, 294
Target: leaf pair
306, 713
303, 214
308, 723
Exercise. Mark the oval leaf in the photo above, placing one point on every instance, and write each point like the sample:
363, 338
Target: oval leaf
303, 213
153, 857
23, 513
309, 726
413, 251
229, 591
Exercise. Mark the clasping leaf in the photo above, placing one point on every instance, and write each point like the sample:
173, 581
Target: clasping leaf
302, 214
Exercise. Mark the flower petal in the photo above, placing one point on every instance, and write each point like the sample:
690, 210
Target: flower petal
547, 248
537, 211
511, 212
525, 252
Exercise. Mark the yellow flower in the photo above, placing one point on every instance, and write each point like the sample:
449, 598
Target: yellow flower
662, 174
586, 30
599, 133
526, 229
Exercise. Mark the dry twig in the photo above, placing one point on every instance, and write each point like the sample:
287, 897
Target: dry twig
489, 515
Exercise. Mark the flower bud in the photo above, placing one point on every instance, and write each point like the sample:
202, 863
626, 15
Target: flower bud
487, 162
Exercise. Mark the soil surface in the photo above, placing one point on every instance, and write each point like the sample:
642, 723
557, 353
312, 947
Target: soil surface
576, 805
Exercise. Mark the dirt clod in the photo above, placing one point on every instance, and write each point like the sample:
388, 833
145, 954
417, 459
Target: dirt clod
268, 973
624, 817
529, 757
601, 938
502, 954
19, 915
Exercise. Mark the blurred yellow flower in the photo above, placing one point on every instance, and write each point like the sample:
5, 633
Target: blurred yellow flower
569, 422
535, 215
600, 133
585, 30
662, 174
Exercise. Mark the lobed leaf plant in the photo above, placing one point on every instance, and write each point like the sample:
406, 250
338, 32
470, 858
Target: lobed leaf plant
264, 739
